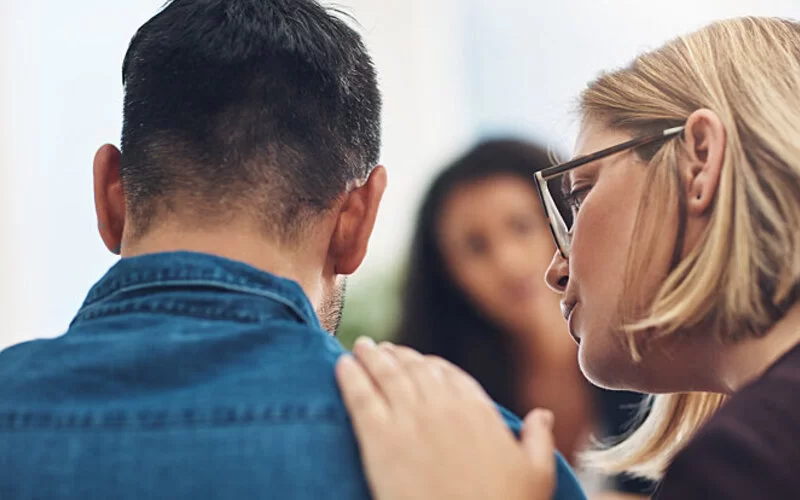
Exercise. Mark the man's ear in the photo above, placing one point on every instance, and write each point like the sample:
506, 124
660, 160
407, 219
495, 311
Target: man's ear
109, 197
704, 137
356, 220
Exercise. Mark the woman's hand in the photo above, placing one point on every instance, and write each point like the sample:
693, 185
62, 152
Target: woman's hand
428, 431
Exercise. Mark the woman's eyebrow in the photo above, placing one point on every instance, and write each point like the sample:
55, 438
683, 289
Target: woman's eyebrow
584, 171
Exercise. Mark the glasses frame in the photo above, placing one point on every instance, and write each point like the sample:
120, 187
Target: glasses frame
558, 227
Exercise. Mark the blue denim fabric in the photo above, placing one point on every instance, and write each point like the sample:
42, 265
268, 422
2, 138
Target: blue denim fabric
183, 376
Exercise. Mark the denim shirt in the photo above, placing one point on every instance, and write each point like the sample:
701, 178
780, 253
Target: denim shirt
183, 376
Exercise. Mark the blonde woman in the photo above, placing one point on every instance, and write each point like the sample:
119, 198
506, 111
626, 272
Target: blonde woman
679, 267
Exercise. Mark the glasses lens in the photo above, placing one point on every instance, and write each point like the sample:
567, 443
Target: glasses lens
558, 214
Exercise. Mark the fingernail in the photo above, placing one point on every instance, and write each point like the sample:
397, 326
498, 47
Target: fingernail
544, 417
346, 362
365, 342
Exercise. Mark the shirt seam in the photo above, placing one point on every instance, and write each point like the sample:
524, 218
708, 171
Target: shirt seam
152, 420
100, 309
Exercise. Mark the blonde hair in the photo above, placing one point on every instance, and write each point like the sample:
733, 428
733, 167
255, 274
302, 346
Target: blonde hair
745, 272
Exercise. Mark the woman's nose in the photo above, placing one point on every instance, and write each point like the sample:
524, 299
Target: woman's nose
557, 274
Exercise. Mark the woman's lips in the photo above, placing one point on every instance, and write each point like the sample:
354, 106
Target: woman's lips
568, 311
572, 332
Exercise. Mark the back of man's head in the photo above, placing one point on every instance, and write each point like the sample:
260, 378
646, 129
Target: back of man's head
261, 107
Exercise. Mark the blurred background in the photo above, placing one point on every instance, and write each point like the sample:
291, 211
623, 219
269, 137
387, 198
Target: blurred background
452, 72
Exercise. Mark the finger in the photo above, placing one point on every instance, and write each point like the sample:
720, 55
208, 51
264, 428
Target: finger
426, 375
436, 373
366, 405
404, 354
387, 374
461, 382
539, 443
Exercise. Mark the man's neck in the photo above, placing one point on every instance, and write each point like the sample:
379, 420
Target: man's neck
239, 244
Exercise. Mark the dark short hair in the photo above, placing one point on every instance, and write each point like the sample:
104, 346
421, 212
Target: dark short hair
268, 106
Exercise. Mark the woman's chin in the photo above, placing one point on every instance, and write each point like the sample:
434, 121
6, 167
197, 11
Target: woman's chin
604, 368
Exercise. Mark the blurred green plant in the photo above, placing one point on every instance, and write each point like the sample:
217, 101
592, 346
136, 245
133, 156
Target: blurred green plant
371, 307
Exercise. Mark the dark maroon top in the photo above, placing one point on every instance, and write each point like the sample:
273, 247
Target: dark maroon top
750, 449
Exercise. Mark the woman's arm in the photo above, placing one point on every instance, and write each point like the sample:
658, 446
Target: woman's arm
427, 430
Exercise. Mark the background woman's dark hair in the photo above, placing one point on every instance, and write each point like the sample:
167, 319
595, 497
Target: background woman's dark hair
436, 317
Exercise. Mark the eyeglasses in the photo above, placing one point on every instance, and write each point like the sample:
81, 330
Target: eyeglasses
560, 216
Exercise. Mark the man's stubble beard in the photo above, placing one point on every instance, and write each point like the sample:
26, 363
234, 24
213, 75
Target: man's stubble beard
330, 313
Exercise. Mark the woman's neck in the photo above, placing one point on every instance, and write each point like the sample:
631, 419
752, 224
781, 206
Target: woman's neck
743, 362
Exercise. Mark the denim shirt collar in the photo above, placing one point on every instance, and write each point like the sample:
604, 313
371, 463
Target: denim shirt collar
187, 270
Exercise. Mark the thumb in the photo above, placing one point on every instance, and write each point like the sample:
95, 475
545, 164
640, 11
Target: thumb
539, 443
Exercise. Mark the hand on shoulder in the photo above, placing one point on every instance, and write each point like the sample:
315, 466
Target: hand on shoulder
427, 430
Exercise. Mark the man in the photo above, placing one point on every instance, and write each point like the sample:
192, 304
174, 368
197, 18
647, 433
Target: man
246, 188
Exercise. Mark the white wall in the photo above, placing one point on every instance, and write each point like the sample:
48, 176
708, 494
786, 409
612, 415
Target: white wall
7, 247
451, 70
64, 80
530, 60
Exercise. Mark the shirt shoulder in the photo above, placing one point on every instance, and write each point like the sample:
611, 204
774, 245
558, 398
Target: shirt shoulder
749, 448
567, 485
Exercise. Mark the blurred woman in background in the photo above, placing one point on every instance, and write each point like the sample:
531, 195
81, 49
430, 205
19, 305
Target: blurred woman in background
475, 293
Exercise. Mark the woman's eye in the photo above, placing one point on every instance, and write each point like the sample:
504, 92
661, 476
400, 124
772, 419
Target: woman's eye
522, 224
575, 198
475, 245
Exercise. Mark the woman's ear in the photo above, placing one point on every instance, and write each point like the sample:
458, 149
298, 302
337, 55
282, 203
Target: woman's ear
109, 197
701, 168
350, 238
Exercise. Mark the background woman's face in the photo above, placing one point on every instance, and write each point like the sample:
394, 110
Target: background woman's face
608, 193
496, 244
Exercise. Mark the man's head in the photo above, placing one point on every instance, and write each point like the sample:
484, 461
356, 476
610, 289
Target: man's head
259, 116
